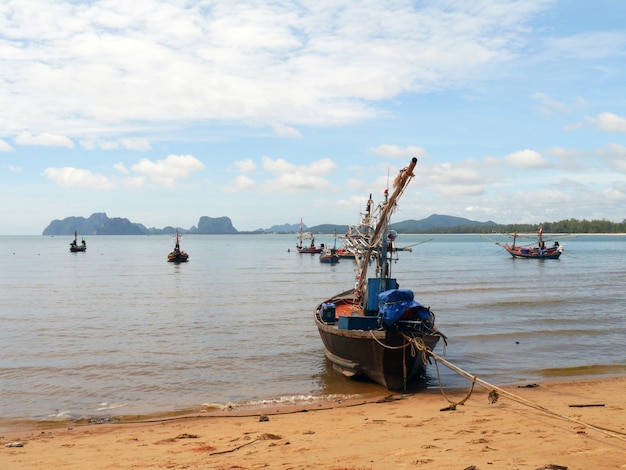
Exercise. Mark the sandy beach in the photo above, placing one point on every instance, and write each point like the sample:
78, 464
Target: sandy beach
577, 424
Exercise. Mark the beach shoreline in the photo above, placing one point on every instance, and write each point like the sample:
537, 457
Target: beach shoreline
573, 424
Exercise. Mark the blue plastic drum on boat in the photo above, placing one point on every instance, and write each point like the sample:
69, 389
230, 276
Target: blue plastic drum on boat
328, 312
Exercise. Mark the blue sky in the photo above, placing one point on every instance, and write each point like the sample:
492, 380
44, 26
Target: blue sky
272, 111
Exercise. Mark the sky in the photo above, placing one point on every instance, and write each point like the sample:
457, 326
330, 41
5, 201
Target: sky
272, 111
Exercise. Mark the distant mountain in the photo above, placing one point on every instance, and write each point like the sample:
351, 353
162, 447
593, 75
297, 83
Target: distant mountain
329, 228
209, 225
99, 224
436, 221
285, 228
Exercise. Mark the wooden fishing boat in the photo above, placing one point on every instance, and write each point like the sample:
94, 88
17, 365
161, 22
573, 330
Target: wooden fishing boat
348, 250
377, 330
541, 251
311, 248
178, 255
329, 255
344, 253
75, 247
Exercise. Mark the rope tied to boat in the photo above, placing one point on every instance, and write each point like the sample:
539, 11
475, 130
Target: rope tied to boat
371, 332
417, 346
415, 343
495, 392
454, 404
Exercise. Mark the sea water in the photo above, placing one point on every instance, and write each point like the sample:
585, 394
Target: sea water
120, 331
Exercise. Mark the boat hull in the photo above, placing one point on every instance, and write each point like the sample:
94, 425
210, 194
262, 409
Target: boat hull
549, 253
385, 357
312, 251
346, 255
177, 258
78, 249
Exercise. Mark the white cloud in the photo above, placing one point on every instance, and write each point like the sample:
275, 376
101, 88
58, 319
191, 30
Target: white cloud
321, 167
5, 147
134, 181
448, 179
121, 168
69, 177
325, 166
290, 177
288, 182
277, 166
44, 140
241, 183
285, 131
609, 122
566, 154
614, 155
479, 210
526, 159
245, 166
140, 145
165, 172
571, 159
356, 185
93, 66
549, 105
589, 45
354, 202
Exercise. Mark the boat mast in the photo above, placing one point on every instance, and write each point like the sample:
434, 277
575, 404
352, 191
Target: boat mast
378, 240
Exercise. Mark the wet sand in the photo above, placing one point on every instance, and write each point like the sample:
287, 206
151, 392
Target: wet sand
579, 424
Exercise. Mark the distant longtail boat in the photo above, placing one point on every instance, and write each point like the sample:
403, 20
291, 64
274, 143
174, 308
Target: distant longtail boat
75, 247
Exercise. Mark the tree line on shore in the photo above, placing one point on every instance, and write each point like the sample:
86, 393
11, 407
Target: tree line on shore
562, 226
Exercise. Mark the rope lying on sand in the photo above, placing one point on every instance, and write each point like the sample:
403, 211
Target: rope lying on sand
495, 392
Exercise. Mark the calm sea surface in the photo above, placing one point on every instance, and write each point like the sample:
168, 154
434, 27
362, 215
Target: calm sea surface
118, 330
